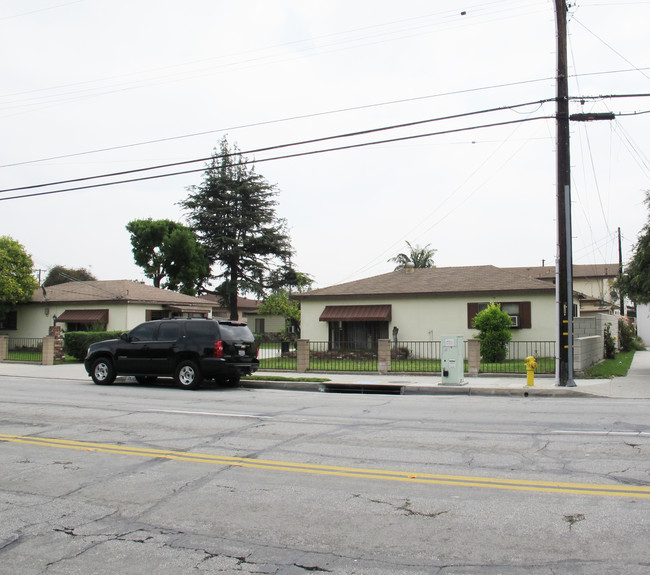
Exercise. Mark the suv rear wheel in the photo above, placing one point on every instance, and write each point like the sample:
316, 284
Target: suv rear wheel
188, 375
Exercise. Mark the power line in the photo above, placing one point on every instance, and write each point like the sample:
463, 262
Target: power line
325, 113
641, 70
296, 155
280, 146
277, 121
323, 139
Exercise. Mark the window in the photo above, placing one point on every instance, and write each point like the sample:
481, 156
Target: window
357, 334
152, 314
144, 332
519, 312
259, 325
201, 329
9, 320
169, 332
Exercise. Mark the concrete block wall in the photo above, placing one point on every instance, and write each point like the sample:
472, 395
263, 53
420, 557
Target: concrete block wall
302, 355
595, 325
473, 357
587, 351
383, 356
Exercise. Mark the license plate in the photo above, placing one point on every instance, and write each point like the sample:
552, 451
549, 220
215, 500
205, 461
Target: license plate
242, 352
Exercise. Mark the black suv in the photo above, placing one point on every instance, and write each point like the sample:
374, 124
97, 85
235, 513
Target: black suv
189, 350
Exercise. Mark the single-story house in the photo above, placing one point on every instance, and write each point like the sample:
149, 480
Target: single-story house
248, 312
594, 281
427, 305
114, 305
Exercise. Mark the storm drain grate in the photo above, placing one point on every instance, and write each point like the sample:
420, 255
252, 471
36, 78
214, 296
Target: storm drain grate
361, 388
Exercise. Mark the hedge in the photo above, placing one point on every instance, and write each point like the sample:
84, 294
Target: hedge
75, 343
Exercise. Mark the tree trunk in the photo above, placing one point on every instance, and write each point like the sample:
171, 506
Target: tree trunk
232, 296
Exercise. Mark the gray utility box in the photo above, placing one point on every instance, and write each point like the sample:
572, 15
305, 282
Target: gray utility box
453, 357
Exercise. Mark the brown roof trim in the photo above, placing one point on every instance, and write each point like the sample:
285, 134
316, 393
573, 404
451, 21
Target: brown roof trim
83, 316
356, 313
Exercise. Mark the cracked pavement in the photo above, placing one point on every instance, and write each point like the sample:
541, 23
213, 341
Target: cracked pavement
78, 507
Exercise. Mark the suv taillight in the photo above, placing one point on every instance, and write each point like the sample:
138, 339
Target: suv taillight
218, 348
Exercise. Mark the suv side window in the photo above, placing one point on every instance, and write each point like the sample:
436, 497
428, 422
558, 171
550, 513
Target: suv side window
144, 332
236, 332
200, 328
169, 331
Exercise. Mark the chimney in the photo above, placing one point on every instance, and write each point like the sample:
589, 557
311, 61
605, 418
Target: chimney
410, 267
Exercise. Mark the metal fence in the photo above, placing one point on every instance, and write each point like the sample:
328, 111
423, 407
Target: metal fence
324, 356
280, 355
415, 356
518, 351
25, 349
406, 356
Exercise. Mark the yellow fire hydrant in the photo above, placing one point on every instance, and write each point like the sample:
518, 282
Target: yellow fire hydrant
531, 364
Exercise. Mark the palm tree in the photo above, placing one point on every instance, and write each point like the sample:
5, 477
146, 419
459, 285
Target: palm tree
419, 257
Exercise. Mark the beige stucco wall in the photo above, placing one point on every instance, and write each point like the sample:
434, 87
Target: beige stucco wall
33, 321
600, 288
422, 319
643, 322
272, 323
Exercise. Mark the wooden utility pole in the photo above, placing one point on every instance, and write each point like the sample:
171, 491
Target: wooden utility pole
564, 279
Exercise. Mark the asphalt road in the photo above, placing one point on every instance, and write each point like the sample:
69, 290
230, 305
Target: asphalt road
152, 479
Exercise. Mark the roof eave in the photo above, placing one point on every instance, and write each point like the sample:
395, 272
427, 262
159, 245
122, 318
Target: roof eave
549, 290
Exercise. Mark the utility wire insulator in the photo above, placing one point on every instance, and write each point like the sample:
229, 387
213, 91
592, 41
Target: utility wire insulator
592, 116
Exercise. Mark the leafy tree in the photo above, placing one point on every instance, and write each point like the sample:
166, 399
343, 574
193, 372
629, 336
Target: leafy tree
287, 278
494, 332
635, 280
280, 303
17, 281
233, 213
419, 257
169, 254
60, 275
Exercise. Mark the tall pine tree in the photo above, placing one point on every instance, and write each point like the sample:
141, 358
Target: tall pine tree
233, 214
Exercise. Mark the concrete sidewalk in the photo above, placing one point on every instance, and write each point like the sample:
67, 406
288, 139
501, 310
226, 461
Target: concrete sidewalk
636, 385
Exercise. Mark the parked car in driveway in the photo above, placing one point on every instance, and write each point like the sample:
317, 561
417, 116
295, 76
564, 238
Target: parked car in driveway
189, 350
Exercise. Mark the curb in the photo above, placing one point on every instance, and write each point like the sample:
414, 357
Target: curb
394, 388
388, 389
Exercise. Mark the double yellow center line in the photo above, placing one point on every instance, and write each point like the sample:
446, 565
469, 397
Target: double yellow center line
386, 475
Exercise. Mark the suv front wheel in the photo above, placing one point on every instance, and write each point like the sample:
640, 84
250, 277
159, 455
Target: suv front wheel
102, 371
188, 375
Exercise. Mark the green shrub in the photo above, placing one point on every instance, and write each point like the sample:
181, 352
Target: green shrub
75, 343
627, 336
494, 333
610, 343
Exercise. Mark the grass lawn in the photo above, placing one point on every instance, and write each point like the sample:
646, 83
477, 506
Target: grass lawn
544, 365
423, 365
609, 368
286, 363
28, 355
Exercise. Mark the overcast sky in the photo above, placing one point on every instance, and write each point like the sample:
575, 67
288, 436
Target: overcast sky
92, 87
